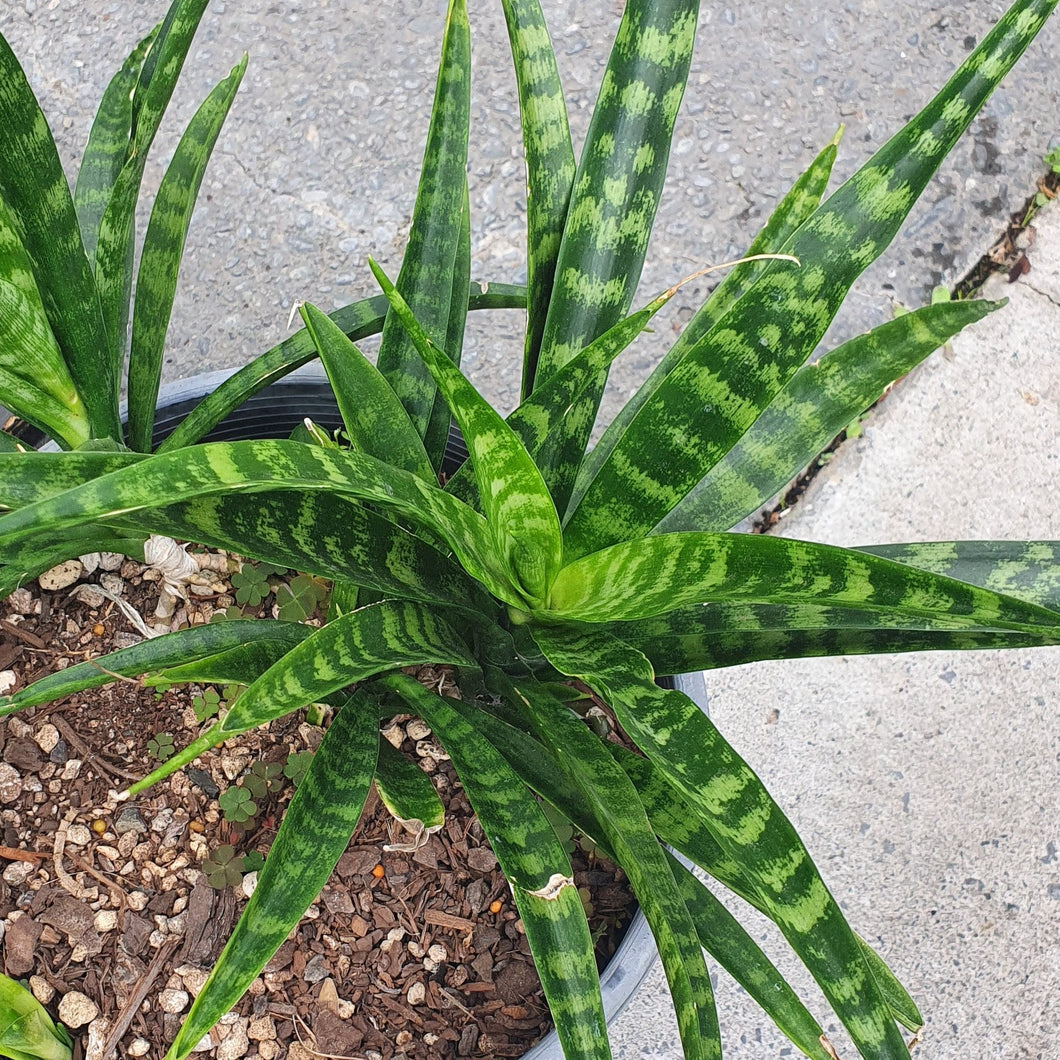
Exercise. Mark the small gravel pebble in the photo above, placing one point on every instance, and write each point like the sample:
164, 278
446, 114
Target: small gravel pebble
78, 835
129, 819
47, 738
417, 992
76, 1009
43, 991
236, 1044
10, 783
138, 1047
7, 681
61, 577
174, 1001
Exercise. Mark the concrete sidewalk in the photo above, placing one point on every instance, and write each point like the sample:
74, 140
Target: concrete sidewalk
926, 785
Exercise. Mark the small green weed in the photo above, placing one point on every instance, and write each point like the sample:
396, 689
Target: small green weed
161, 746
300, 598
223, 868
263, 778
254, 861
297, 766
237, 804
252, 582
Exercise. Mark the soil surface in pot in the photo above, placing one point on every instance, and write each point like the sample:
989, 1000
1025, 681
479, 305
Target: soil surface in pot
115, 912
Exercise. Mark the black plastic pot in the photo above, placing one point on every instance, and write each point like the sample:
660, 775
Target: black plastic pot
273, 413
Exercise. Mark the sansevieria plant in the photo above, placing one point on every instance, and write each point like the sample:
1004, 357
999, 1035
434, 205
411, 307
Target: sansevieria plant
540, 560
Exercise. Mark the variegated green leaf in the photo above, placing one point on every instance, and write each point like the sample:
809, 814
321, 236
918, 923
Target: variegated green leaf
326, 536
261, 466
820, 400
34, 188
674, 818
375, 420
357, 320
1028, 570
537, 869
550, 164
538, 420
619, 178
313, 834
114, 247
662, 573
407, 792
800, 201
163, 248
436, 438
612, 800
427, 270
515, 499
173, 649
40, 475
712, 397
683, 744
708, 636
108, 146
26, 1030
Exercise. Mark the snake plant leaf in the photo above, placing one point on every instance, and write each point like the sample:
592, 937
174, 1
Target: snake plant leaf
312, 837
354, 647
656, 574
31, 476
262, 466
108, 146
540, 417
27, 1032
706, 637
34, 380
1029, 570
34, 188
163, 248
798, 203
820, 401
427, 271
678, 825
515, 499
750, 828
727, 941
619, 178
114, 246
325, 536
375, 420
350, 649
436, 438
613, 202
357, 320
408, 794
537, 869
550, 164
730, 376
160, 653
611, 798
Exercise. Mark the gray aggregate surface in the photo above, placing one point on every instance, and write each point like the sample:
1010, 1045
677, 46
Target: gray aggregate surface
317, 165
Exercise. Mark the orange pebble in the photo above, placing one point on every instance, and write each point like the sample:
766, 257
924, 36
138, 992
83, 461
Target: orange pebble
196, 825
99, 827
99, 629
379, 872
495, 906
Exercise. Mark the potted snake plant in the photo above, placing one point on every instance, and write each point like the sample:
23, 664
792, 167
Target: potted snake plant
541, 559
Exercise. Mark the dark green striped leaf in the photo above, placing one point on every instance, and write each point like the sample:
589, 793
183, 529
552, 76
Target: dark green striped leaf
33, 186
537, 869
705, 637
515, 500
678, 825
197, 643
550, 164
262, 466
357, 320
683, 744
716, 393
1028, 570
407, 792
313, 834
725, 939
326, 536
375, 420
820, 400
427, 270
31, 476
114, 247
661, 573
163, 248
799, 202
612, 800
108, 147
